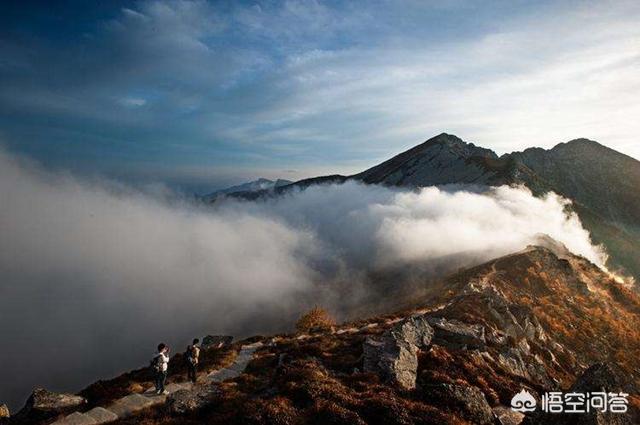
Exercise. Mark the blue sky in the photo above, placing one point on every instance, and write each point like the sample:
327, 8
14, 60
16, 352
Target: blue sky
203, 94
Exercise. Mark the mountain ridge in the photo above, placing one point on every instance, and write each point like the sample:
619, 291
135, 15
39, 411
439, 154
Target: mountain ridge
260, 184
600, 182
541, 319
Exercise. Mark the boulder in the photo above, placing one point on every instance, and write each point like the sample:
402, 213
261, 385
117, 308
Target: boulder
456, 334
467, 399
44, 404
394, 361
216, 341
415, 330
393, 355
185, 401
48, 401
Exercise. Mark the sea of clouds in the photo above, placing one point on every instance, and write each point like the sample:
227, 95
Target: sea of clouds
93, 274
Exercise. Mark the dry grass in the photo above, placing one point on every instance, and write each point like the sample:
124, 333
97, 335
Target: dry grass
315, 320
319, 380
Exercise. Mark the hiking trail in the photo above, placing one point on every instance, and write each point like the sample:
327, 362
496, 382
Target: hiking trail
135, 402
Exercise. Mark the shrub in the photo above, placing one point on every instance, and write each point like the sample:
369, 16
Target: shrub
316, 319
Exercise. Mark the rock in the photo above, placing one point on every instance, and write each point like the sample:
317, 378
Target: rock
507, 416
415, 330
600, 377
4, 411
184, 401
216, 341
496, 337
44, 400
393, 355
469, 400
44, 404
456, 334
394, 361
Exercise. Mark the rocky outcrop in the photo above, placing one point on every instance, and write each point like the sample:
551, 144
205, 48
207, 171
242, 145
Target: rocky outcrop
185, 401
43, 404
600, 377
216, 341
393, 355
456, 334
44, 400
469, 400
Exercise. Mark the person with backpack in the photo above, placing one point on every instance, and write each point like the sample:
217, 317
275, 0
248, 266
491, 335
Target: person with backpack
193, 357
160, 364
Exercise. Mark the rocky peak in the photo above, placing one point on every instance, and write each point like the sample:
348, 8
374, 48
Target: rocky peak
442, 159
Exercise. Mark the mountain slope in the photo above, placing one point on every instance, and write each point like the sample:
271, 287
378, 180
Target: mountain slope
541, 320
593, 175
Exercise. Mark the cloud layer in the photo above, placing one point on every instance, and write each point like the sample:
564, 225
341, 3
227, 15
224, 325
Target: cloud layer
94, 274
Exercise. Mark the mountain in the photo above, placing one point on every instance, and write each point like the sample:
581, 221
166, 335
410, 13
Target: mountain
601, 182
531, 322
260, 184
444, 159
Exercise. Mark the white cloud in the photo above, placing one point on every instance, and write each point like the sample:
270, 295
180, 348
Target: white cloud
84, 264
133, 101
306, 85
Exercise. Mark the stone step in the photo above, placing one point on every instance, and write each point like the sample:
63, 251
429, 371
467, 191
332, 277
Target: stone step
128, 405
239, 365
76, 418
132, 403
177, 386
223, 375
101, 415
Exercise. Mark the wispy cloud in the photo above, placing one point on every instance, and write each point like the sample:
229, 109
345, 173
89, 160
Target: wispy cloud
303, 84
133, 101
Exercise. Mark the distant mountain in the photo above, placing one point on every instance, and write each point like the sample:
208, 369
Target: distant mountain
602, 183
261, 184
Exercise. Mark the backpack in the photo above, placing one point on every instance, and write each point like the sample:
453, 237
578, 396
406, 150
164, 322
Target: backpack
155, 363
191, 354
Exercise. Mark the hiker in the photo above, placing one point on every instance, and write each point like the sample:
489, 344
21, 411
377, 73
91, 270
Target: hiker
193, 357
160, 364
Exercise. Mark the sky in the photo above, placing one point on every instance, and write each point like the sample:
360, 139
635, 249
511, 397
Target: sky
199, 95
